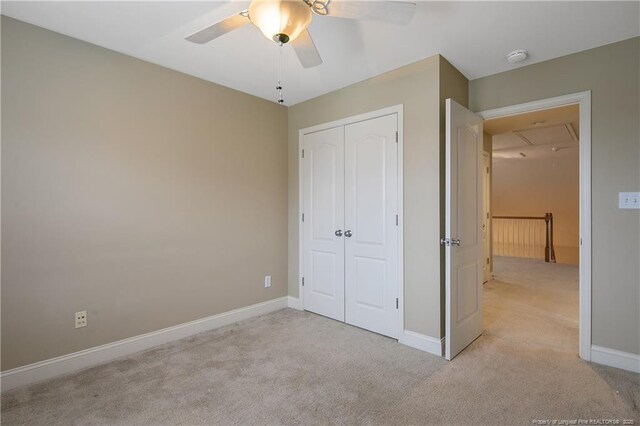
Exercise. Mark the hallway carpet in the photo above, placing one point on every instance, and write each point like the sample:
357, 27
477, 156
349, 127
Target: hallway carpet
293, 367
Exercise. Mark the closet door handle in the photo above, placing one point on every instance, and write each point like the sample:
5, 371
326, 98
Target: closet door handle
338, 233
348, 233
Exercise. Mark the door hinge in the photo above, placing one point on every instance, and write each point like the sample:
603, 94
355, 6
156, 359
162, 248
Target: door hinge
303, 217
396, 220
397, 303
396, 137
302, 281
303, 153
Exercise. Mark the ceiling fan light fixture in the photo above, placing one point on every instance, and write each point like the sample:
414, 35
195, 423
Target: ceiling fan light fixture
280, 20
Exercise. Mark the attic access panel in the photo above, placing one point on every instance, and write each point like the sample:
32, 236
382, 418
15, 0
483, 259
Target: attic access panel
563, 133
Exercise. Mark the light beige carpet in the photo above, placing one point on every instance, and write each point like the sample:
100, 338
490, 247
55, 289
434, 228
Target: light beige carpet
292, 367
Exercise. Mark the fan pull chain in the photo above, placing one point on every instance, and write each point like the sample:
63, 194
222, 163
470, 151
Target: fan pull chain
279, 85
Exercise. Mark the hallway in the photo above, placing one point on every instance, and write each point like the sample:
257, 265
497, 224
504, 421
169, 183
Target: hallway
531, 311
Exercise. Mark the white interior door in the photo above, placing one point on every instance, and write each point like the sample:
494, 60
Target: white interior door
486, 217
323, 193
463, 227
371, 236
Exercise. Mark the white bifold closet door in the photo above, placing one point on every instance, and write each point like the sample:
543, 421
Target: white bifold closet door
371, 206
350, 226
323, 252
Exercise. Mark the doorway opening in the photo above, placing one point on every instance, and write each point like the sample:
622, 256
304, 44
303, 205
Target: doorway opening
536, 226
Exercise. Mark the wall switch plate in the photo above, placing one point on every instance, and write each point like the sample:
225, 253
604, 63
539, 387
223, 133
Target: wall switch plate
629, 200
267, 281
81, 319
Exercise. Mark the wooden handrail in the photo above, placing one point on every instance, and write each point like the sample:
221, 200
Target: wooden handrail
520, 217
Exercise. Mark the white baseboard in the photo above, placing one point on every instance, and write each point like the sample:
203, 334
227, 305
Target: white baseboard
423, 342
100, 354
410, 338
294, 303
614, 358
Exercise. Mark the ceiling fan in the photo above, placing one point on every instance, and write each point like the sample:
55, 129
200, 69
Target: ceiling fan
286, 21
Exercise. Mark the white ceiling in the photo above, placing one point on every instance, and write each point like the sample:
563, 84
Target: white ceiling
473, 36
558, 140
539, 135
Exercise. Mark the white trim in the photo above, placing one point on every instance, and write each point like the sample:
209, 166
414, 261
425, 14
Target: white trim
100, 354
299, 218
351, 120
614, 358
583, 99
538, 105
396, 109
294, 303
423, 342
487, 155
400, 112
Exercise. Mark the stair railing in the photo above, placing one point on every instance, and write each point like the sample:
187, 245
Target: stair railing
523, 236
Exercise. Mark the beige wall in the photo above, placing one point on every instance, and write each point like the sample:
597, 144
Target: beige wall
417, 87
535, 186
137, 193
611, 73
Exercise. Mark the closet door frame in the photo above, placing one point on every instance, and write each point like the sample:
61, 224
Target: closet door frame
396, 109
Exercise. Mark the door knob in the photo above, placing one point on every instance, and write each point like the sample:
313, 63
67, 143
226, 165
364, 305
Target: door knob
455, 242
348, 234
338, 233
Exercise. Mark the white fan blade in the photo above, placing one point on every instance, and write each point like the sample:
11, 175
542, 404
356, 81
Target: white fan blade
306, 50
214, 31
395, 12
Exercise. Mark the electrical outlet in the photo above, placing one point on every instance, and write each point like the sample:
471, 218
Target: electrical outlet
81, 319
629, 200
267, 281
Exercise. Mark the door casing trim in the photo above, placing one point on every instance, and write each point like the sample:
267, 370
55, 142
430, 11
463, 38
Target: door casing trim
487, 155
396, 109
583, 99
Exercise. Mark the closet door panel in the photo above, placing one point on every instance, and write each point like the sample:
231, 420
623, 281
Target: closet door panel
371, 240
323, 244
